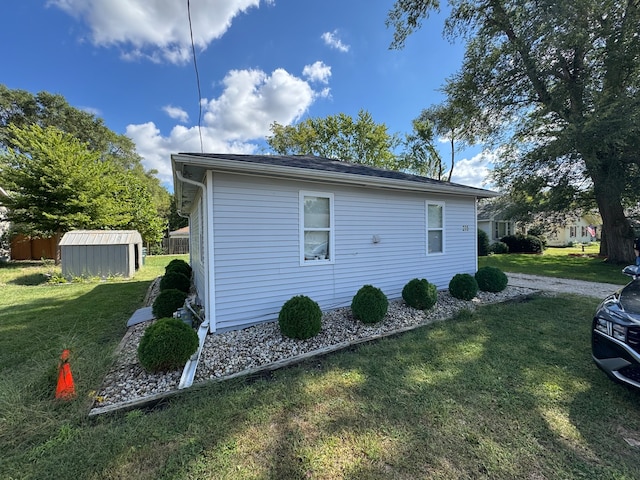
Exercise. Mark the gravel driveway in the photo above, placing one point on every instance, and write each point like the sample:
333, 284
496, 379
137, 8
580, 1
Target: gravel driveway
563, 285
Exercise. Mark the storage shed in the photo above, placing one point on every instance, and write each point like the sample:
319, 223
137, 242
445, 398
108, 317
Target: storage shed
101, 253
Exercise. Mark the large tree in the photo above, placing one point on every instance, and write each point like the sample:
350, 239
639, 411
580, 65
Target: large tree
339, 137
55, 183
556, 84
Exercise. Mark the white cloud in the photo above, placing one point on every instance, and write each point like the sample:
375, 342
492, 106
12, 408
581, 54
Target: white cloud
318, 72
233, 122
474, 172
331, 39
155, 29
176, 113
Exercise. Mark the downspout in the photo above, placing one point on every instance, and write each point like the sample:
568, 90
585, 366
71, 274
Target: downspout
189, 372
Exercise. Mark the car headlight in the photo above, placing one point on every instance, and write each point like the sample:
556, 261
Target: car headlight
602, 325
619, 332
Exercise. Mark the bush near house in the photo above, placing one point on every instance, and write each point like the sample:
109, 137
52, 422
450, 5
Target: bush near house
483, 243
369, 304
300, 317
420, 294
180, 266
463, 286
177, 280
491, 279
499, 248
166, 345
167, 302
523, 243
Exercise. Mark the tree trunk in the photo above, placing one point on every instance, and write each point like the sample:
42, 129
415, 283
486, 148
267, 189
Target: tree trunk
617, 234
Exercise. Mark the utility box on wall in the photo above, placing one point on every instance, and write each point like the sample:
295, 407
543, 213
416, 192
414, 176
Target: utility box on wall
101, 253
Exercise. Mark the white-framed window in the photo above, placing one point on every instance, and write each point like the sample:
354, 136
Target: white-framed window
502, 229
435, 227
316, 228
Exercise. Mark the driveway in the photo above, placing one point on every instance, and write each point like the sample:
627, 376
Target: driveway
563, 285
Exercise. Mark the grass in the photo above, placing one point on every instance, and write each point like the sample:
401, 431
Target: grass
509, 391
566, 262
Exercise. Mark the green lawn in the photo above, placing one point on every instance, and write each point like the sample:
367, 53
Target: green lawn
568, 262
507, 392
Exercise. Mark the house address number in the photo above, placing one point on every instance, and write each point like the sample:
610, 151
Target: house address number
465, 228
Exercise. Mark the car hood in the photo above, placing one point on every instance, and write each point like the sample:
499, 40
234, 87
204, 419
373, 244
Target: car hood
630, 297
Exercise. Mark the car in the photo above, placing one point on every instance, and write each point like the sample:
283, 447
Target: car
615, 333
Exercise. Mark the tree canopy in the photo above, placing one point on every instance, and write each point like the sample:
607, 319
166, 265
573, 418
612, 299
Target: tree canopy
553, 85
339, 137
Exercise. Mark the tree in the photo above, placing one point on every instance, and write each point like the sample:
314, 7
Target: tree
420, 154
556, 85
55, 183
339, 137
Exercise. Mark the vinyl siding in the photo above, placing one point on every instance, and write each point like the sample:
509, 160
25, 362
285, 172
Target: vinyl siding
195, 249
257, 251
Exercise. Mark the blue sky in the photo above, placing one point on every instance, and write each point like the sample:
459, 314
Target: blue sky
130, 63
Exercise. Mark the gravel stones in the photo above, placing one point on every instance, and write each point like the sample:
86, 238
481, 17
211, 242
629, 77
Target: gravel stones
263, 346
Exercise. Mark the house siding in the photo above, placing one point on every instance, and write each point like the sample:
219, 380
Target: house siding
196, 248
257, 251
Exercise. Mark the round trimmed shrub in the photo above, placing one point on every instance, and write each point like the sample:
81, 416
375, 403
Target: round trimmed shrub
167, 302
175, 280
463, 286
491, 279
499, 248
483, 243
420, 294
166, 345
519, 243
369, 304
300, 317
180, 266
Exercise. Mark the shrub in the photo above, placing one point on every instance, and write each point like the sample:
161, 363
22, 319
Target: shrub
369, 304
523, 243
420, 294
167, 302
483, 243
499, 247
175, 280
166, 345
491, 279
177, 265
463, 286
300, 317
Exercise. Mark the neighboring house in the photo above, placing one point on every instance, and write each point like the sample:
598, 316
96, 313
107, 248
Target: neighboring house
267, 228
493, 221
575, 230
177, 243
4, 229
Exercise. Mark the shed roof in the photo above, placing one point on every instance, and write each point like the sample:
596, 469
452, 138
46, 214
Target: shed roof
189, 167
100, 237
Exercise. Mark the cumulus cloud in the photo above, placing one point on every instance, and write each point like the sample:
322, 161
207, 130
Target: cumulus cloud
176, 113
474, 171
318, 72
155, 29
331, 39
250, 102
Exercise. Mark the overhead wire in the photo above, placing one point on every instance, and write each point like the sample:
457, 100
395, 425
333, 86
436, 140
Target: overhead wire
195, 66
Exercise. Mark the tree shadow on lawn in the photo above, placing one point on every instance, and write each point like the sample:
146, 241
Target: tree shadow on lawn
476, 397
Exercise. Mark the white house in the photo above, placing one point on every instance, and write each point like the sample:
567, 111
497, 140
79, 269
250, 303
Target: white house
494, 222
266, 228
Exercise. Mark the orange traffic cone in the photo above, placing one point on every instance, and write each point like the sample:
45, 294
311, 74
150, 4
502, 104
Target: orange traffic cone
65, 390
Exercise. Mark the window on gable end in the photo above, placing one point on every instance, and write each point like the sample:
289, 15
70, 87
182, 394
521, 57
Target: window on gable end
435, 227
316, 228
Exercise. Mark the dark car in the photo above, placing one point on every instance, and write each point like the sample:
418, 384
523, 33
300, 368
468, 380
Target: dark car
615, 335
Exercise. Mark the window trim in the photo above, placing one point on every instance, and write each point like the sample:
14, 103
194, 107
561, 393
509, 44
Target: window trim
441, 204
302, 230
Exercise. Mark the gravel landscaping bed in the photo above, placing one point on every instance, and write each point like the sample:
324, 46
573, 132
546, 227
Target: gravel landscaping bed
263, 346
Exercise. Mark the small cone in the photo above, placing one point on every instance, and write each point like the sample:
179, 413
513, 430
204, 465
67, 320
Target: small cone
65, 390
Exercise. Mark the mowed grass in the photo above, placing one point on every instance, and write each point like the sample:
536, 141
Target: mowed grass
566, 262
509, 391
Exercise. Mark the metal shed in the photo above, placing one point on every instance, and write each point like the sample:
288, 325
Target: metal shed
101, 253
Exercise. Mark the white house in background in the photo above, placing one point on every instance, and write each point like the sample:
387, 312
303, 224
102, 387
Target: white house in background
267, 228
493, 221
4, 228
583, 229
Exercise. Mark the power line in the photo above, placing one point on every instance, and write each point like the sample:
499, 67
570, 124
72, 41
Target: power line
195, 66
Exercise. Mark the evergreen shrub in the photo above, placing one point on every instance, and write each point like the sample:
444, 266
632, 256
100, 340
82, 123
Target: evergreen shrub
491, 279
300, 317
483, 243
167, 302
178, 265
519, 243
499, 248
420, 294
166, 345
175, 280
369, 304
463, 286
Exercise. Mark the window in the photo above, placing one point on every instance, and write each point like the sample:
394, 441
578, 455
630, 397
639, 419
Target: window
316, 228
573, 232
435, 228
502, 229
